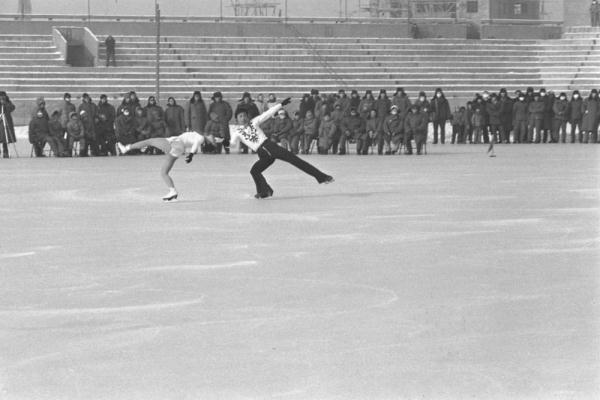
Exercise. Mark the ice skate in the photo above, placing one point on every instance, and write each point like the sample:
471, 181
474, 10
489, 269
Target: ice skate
328, 179
172, 195
123, 148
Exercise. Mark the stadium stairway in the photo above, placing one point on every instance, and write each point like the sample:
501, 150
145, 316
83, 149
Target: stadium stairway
31, 66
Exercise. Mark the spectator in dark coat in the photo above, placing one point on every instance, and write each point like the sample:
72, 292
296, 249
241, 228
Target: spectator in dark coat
343, 101
215, 128
494, 111
66, 109
75, 133
327, 132
459, 124
39, 134
90, 108
89, 146
295, 134
393, 131
56, 134
374, 133
110, 43
366, 105
401, 100
595, 13
306, 104
506, 125
547, 124
354, 99
310, 131
281, 128
561, 115
125, 128
7, 127
143, 128
196, 115
520, 119
591, 114
175, 118
422, 100
105, 132
440, 113
382, 105
536, 118
415, 127
576, 115
40, 105
224, 111
353, 128
126, 105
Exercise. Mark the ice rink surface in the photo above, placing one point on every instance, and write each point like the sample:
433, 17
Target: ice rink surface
447, 276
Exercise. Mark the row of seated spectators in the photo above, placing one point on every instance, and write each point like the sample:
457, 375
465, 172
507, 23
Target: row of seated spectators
328, 122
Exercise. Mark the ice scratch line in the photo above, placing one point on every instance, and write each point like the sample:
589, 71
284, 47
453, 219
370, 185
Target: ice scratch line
102, 310
200, 267
17, 255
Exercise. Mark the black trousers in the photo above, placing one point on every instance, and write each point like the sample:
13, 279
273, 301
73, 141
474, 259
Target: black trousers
268, 152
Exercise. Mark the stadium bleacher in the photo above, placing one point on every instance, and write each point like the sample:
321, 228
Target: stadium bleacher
32, 66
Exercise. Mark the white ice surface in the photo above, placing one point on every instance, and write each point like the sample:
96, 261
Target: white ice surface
448, 276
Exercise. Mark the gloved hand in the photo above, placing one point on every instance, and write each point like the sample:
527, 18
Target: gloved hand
225, 142
188, 158
286, 101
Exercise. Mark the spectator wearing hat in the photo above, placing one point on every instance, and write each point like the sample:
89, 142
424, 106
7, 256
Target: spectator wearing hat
327, 132
306, 104
547, 125
506, 104
7, 128
415, 127
295, 135
576, 115
595, 13
143, 128
317, 101
214, 128
271, 100
126, 105
591, 114
174, 117
310, 131
66, 109
125, 128
422, 101
88, 106
110, 45
89, 146
382, 105
459, 123
56, 137
353, 129
440, 114
560, 110
40, 105
478, 123
494, 111
366, 105
75, 133
374, 133
261, 104
401, 101
343, 101
520, 112
39, 134
281, 128
224, 111
337, 116
536, 118
246, 104
468, 126
354, 99
393, 131
196, 115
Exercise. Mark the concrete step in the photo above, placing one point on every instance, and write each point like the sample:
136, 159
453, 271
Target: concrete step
27, 50
16, 37
26, 43
292, 39
43, 63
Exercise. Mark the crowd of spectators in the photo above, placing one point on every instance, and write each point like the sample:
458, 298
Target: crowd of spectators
323, 123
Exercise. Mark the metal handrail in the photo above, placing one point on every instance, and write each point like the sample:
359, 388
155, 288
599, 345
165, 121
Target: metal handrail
151, 18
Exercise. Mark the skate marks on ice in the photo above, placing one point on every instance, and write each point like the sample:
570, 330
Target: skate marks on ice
28, 252
95, 196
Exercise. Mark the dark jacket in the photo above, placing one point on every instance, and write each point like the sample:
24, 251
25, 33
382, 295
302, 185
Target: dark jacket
175, 119
440, 109
38, 129
6, 110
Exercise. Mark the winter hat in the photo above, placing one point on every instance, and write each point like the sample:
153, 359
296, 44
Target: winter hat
422, 94
503, 90
382, 91
575, 91
67, 95
354, 92
216, 95
40, 100
314, 91
103, 96
399, 90
369, 91
246, 95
